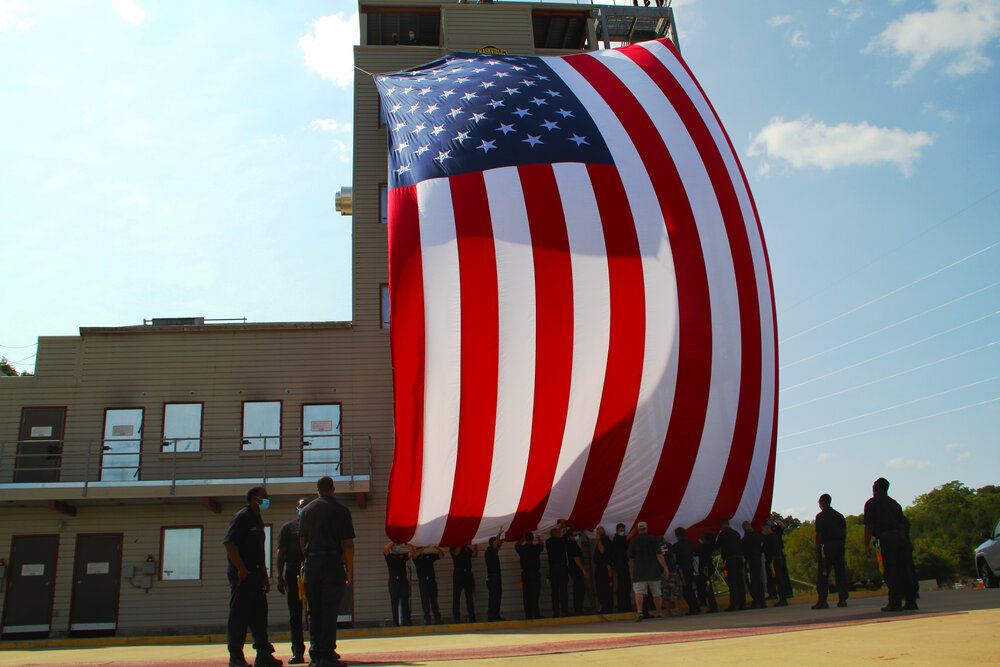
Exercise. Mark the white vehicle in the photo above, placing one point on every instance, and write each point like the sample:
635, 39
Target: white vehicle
988, 558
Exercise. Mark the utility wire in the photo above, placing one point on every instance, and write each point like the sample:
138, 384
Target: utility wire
25, 359
885, 354
891, 292
889, 377
889, 252
888, 426
891, 407
18, 347
886, 328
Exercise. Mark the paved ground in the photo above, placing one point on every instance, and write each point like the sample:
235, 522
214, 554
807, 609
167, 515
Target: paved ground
952, 627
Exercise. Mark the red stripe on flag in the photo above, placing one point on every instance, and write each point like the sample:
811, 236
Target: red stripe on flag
553, 340
406, 310
687, 415
480, 336
626, 347
748, 408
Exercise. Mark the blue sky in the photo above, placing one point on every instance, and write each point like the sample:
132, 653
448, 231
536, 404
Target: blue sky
178, 158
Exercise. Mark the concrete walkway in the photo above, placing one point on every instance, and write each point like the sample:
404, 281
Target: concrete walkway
952, 627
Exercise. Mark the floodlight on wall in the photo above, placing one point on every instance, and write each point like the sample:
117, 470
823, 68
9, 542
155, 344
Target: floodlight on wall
345, 200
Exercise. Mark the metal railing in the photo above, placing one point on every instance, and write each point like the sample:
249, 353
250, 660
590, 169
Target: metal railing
174, 461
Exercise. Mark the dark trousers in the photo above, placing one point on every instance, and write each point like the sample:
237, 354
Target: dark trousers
687, 589
735, 577
579, 589
247, 609
833, 554
779, 584
755, 573
531, 590
294, 608
399, 598
602, 584
623, 586
326, 580
895, 559
495, 590
429, 599
560, 594
462, 581
706, 592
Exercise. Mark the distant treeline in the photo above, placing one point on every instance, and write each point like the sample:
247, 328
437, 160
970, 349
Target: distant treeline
946, 526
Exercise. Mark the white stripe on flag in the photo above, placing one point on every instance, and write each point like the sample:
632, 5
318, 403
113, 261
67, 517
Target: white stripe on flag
591, 332
443, 346
516, 379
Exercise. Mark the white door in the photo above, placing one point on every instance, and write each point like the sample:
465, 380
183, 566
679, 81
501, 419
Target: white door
321, 440
122, 440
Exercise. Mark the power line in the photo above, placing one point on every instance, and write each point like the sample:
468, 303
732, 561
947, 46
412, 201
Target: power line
891, 292
886, 328
25, 359
888, 426
18, 347
885, 354
889, 252
889, 377
891, 407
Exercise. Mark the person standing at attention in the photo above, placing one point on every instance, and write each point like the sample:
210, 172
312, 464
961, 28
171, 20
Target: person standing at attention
289, 564
831, 532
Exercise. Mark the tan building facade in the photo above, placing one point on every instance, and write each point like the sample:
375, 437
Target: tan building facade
124, 457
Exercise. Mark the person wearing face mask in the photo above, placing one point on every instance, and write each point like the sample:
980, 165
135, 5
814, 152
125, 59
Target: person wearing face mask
289, 564
602, 571
411, 37
248, 582
623, 578
396, 557
577, 571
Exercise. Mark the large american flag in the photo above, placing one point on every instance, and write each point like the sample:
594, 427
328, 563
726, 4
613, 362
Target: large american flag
583, 324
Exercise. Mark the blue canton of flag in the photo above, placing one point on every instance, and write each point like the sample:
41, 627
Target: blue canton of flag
470, 112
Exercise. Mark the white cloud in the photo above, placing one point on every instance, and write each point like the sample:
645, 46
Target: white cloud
824, 458
775, 21
958, 451
329, 125
901, 463
943, 114
799, 40
805, 143
329, 50
849, 9
13, 16
128, 10
955, 28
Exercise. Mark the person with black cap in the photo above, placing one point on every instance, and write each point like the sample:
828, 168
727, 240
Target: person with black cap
831, 531
648, 567
289, 565
248, 582
885, 522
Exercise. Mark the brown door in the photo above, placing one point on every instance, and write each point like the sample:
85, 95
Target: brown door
28, 605
96, 575
39, 449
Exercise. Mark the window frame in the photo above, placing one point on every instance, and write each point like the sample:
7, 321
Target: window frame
169, 448
163, 549
383, 203
385, 317
245, 446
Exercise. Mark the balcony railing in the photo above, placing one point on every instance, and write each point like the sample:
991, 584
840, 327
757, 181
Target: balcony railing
175, 463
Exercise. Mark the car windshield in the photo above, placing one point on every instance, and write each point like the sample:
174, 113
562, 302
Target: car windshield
996, 531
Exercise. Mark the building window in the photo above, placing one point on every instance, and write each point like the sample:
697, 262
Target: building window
122, 444
261, 425
180, 553
383, 203
321, 440
181, 427
384, 299
555, 29
389, 26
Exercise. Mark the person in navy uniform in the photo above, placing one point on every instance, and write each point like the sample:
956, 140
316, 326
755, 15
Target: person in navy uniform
831, 532
493, 583
684, 554
885, 522
462, 580
706, 570
603, 573
753, 555
396, 557
731, 547
249, 582
326, 535
555, 548
775, 566
577, 570
529, 553
289, 563
620, 562
424, 559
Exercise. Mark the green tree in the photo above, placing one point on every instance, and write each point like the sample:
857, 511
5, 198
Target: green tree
945, 527
6, 368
